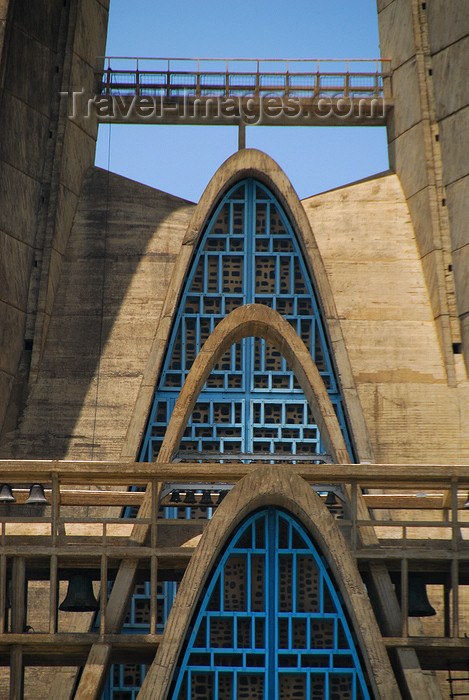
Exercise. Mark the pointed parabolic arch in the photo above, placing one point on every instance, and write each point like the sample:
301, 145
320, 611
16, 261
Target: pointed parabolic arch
249, 165
271, 591
259, 321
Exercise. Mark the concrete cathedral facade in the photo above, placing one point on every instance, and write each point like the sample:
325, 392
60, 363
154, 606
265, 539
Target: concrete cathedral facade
151, 341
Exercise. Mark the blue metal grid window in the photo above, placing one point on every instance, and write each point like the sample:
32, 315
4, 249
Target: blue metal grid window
252, 401
125, 680
270, 624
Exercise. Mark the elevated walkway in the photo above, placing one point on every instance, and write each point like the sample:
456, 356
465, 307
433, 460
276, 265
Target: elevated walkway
274, 92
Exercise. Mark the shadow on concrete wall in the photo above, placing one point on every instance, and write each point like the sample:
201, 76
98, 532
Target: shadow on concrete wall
119, 259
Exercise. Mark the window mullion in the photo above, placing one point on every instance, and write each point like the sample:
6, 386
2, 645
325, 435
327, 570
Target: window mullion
249, 281
272, 604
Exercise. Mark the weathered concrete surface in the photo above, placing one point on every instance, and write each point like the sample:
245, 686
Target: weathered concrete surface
447, 23
118, 267
428, 144
116, 272
43, 157
71, 158
120, 262
368, 245
28, 51
115, 275
365, 235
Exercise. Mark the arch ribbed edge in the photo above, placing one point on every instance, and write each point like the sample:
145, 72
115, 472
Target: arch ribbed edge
256, 164
262, 322
277, 486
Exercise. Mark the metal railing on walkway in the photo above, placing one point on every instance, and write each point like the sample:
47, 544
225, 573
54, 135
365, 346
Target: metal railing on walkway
203, 77
282, 92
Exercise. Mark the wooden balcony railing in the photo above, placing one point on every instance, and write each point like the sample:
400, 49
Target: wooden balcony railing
418, 515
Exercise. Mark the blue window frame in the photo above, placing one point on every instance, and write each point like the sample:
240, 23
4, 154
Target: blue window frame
125, 680
270, 623
252, 401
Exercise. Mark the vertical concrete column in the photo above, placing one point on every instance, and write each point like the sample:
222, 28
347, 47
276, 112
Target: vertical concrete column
448, 41
415, 155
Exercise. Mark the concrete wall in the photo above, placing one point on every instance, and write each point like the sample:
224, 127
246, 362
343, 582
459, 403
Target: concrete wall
115, 275
428, 145
30, 52
48, 46
368, 245
448, 32
119, 261
120, 256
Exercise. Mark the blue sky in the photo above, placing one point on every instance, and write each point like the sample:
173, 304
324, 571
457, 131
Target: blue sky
182, 159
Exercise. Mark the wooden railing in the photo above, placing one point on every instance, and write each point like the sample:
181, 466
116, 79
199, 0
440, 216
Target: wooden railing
418, 516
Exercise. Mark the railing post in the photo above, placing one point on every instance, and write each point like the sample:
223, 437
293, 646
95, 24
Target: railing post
354, 516
387, 79
18, 608
455, 537
455, 596
16, 673
153, 559
103, 586
18, 621
3, 592
53, 591
455, 534
3, 582
54, 509
404, 597
197, 82
446, 606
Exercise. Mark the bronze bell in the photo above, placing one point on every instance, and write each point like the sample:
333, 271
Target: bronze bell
6, 494
330, 499
418, 604
80, 595
190, 497
221, 496
206, 499
175, 497
37, 496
